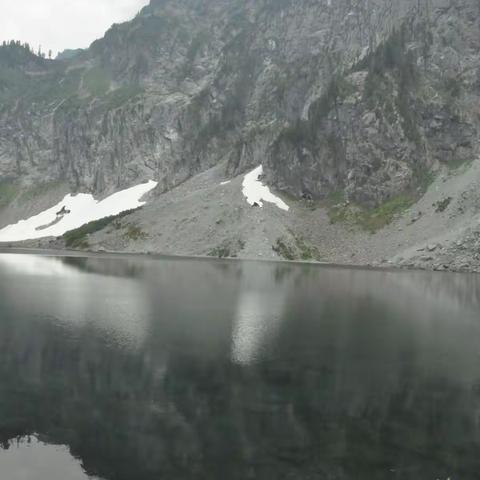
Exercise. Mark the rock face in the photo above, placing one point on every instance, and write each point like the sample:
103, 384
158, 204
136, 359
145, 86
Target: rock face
365, 97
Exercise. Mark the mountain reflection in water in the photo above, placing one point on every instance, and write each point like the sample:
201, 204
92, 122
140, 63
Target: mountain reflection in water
189, 369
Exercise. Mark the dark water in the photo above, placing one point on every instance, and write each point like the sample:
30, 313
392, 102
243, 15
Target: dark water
135, 369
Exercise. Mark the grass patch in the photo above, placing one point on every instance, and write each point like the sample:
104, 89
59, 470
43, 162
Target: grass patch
78, 238
375, 219
342, 214
8, 191
371, 219
456, 164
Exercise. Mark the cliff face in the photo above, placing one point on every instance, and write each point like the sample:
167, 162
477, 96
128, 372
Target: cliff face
383, 122
360, 96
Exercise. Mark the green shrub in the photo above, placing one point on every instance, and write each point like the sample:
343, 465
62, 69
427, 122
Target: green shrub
442, 205
307, 251
135, 233
78, 238
300, 250
227, 249
222, 251
283, 250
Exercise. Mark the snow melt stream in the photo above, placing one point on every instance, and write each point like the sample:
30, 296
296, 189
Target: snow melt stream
73, 212
255, 191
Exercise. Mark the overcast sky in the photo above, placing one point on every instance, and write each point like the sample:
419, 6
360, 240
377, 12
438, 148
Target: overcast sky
61, 24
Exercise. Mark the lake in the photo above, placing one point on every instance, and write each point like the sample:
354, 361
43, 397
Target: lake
138, 368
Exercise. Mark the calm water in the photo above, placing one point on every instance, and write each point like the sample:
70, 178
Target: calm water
136, 369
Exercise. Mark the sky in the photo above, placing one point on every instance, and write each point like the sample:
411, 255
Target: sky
62, 24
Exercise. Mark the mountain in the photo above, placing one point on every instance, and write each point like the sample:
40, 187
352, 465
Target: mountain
69, 54
352, 107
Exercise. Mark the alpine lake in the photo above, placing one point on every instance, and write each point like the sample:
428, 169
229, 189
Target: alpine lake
139, 368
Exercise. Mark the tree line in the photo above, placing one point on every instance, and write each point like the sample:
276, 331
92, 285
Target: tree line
28, 47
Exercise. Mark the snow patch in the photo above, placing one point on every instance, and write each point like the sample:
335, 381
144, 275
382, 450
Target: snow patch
82, 208
226, 183
254, 190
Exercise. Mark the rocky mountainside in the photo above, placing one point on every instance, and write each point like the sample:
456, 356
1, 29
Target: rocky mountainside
361, 101
354, 95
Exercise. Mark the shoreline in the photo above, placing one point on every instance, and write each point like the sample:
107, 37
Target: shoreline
216, 220
49, 252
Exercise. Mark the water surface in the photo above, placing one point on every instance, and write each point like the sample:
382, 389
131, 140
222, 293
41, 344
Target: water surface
134, 368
